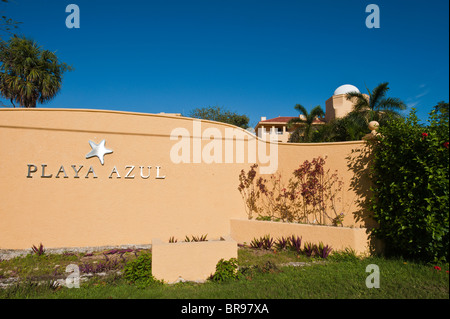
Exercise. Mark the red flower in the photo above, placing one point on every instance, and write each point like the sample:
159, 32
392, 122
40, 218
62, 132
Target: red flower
437, 267
446, 144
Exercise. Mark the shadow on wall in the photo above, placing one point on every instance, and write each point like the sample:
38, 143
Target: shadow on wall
359, 162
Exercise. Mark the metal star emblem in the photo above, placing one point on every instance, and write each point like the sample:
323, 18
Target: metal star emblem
98, 150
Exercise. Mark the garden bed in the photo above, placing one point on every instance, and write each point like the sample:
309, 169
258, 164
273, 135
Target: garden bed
339, 238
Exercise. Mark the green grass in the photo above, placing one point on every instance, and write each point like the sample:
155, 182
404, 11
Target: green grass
342, 276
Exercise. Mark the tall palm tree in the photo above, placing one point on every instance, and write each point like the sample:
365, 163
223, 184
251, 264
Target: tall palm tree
375, 106
28, 74
303, 132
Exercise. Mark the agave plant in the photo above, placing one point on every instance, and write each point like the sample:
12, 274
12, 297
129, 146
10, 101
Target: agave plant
322, 250
295, 243
282, 243
40, 250
309, 249
199, 238
256, 243
267, 242
195, 238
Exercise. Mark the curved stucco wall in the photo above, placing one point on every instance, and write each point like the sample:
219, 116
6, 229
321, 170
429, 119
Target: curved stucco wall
43, 201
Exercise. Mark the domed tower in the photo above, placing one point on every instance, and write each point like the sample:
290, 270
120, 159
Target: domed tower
338, 106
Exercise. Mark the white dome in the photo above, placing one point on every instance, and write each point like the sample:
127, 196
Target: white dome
344, 89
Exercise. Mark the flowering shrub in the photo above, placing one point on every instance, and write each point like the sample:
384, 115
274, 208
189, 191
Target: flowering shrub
411, 186
309, 196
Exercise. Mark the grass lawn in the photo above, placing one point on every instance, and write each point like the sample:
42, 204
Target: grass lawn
267, 275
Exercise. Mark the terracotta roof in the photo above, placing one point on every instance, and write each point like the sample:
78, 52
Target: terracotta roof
279, 119
285, 119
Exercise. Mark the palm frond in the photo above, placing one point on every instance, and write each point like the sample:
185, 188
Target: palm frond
301, 109
294, 121
352, 95
317, 111
360, 101
391, 103
378, 94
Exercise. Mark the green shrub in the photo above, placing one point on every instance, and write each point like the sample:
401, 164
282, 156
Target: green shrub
139, 271
411, 186
226, 270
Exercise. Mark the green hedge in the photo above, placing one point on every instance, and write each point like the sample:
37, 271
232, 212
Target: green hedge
410, 174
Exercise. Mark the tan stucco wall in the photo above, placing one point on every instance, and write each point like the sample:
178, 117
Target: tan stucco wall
338, 106
189, 261
193, 199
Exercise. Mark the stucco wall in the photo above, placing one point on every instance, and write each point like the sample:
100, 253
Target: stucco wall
194, 198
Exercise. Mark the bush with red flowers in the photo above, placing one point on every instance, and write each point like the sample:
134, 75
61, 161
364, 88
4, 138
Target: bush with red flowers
411, 186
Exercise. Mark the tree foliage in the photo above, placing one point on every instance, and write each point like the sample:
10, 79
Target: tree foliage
375, 106
29, 74
348, 128
218, 114
411, 186
304, 126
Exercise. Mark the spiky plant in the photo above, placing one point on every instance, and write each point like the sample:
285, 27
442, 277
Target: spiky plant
39, 250
295, 243
322, 251
267, 242
282, 243
309, 249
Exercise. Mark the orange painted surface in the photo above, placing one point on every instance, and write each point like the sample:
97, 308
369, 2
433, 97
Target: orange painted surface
43, 201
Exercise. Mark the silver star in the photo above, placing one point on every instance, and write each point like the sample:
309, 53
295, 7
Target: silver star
98, 150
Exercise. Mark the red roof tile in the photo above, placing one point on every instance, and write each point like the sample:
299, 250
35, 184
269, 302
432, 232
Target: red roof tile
285, 119
280, 119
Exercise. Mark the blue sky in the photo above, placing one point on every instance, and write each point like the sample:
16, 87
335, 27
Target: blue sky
258, 58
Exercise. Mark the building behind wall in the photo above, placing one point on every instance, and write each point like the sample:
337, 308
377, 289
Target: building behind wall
337, 106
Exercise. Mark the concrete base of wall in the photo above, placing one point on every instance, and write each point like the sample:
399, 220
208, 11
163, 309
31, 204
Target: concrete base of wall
339, 238
189, 261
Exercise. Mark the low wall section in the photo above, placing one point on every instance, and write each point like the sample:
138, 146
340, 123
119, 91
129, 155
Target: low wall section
338, 238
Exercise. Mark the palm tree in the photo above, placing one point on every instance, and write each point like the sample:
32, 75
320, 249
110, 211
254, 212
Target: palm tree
347, 128
28, 74
375, 106
303, 132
